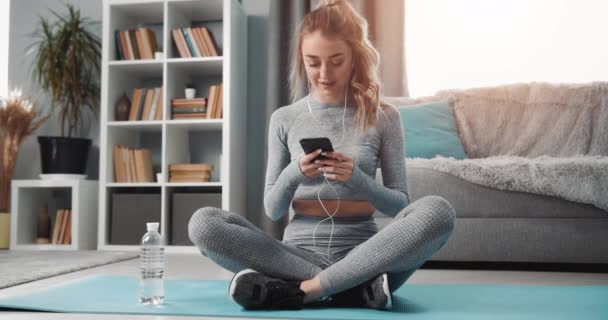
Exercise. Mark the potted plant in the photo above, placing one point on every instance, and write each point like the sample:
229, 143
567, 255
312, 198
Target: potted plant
67, 66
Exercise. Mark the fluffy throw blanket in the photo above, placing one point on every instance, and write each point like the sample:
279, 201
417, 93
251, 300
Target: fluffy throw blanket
532, 119
581, 179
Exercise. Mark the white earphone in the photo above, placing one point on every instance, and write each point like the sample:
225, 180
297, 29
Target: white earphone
330, 217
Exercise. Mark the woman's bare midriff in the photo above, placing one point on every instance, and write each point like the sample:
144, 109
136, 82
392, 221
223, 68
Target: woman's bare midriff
348, 208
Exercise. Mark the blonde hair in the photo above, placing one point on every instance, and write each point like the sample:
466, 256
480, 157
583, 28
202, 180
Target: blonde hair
338, 18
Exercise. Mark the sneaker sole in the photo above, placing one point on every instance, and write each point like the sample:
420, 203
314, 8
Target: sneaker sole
233, 282
389, 302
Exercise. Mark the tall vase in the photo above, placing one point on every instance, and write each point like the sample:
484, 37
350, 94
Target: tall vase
9, 147
5, 228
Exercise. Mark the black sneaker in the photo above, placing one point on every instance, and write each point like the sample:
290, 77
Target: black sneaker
372, 294
255, 291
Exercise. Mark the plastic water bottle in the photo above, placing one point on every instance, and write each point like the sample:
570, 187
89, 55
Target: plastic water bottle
152, 262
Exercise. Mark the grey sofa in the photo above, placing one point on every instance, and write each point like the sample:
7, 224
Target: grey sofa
505, 226
493, 225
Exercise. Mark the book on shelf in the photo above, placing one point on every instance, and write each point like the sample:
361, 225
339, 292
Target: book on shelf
172, 179
195, 175
190, 172
180, 43
187, 110
184, 102
194, 115
200, 41
214, 102
195, 42
134, 44
67, 235
210, 41
62, 229
57, 226
190, 41
190, 167
131, 164
147, 104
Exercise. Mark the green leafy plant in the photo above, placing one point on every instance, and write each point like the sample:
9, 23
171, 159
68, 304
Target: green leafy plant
67, 65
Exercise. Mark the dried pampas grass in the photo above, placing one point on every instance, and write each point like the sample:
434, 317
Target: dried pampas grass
18, 119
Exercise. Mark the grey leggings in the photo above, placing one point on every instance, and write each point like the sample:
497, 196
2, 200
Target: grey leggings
358, 253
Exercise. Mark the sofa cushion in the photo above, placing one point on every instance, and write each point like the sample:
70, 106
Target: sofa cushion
430, 130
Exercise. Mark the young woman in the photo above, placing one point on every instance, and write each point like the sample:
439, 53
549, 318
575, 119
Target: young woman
331, 248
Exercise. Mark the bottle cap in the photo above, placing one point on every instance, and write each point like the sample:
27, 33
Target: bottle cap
152, 226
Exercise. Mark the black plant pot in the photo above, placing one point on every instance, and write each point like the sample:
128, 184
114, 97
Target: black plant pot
64, 155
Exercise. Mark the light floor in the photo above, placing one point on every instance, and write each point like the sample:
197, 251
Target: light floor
188, 266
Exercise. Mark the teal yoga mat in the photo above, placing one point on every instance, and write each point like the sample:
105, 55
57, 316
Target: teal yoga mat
119, 295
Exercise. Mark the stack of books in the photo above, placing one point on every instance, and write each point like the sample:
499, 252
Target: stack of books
135, 44
195, 42
189, 108
190, 172
62, 230
132, 165
147, 104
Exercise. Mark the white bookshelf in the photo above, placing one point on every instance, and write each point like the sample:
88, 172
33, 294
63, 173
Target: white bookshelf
220, 142
28, 196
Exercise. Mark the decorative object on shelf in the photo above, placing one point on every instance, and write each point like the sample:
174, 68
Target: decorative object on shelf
43, 225
67, 65
122, 108
158, 55
19, 118
190, 92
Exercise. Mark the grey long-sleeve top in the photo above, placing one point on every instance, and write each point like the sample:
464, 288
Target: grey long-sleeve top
381, 145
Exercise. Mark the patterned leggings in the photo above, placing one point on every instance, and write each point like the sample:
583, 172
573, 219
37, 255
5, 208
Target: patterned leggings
410, 239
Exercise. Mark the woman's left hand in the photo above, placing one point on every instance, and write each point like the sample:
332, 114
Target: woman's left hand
338, 167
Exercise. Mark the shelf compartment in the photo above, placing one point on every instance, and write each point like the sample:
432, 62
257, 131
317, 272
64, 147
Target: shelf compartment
55, 197
182, 14
134, 137
200, 75
29, 196
193, 146
182, 203
126, 16
130, 210
124, 78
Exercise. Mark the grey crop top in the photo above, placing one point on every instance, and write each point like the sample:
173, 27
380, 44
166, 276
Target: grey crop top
381, 146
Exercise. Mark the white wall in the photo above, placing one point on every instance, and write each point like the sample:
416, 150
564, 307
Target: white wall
23, 19
4, 27
467, 43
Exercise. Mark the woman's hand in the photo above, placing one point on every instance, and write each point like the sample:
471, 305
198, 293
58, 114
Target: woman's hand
338, 167
310, 169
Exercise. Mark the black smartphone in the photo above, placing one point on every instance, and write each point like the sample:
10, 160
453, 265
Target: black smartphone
312, 144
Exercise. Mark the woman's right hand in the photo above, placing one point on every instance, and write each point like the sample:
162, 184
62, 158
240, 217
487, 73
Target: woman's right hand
308, 167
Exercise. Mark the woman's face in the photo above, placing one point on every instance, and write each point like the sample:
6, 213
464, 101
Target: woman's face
328, 64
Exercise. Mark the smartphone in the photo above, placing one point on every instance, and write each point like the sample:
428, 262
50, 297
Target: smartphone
312, 144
